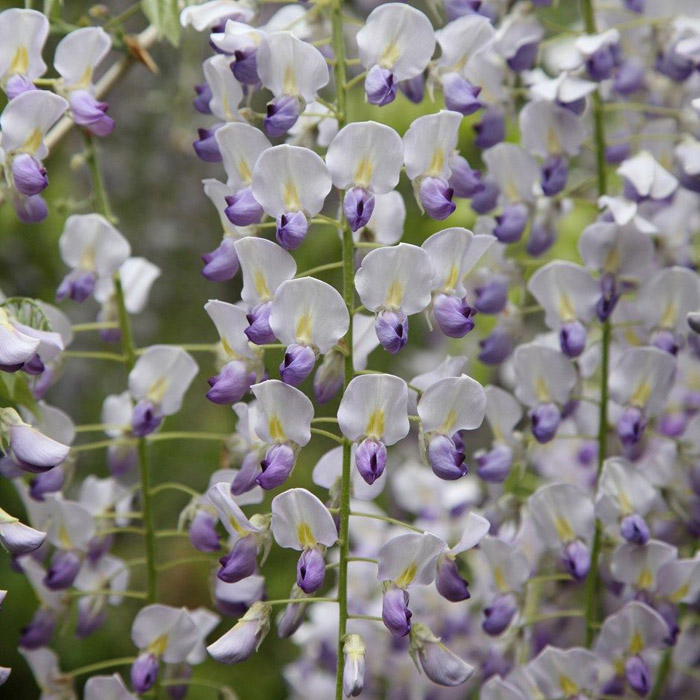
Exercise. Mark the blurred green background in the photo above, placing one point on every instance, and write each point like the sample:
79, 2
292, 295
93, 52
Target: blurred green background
153, 180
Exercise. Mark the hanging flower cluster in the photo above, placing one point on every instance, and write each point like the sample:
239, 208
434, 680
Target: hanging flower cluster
519, 525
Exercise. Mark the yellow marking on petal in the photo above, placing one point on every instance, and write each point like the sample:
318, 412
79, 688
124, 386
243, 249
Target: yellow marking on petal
363, 173
619, 666
641, 394
157, 390
228, 349
631, 338
291, 197
542, 390
612, 260
669, 316
636, 643
64, 538
85, 79
237, 527
244, 170
289, 81
395, 295
452, 277
274, 426
375, 424
553, 143
407, 575
390, 55
568, 687
303, 329
625, 504
437, 163
447, 426
561, 525
499, 579
87, 259
158, 646
646, 579
20, 61
511, 190
33, 141
566, 308
305, 536
260, 283
680, 593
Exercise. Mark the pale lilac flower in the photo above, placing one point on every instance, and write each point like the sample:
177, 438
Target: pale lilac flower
354, 650
440, 664
565, 672
227, 92
107, 688
645, 178
23, 33
211, 14
639, 564
245, 637
18, 538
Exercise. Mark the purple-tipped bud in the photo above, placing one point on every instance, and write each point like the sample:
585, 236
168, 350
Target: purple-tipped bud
206, 147
436, 198
499, 615
464, 180
63, 570
460, 8
29, 175
609, 297
631, 425
674, 65
460, 95
240, 562
46, 483
380, 86
247, 475
495, 348
204, 95
494, 466
391, 328
555, 173
291, 619
329, 376
576, 559
30, 210
17, 84
90, 113
370, 459
492, 297
39, 631
245, 67
311, 570
239, 643
486, 199
395, 613
453, 315
77, 285
203, 535
601, 63
629, 78
491, 129
297, 365
634, 529
18, 538
511, 223
524, 58
231, 384
221, 264
358, 206
145, 419
665, 340
91, 616
121, 459
259, 331
638, 675
445, 458
276, 466
282, 115
291, 229
413, 88
572, 338
98, 547
450, 585
144, 672
243, 209
34, 366
544, 421
354, 667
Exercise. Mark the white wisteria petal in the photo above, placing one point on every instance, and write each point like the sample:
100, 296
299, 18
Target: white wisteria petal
78, 54
562, 513
367, 155
548, 129
72, 525
23, 33
558, 671
375, 406
503, 413
643, 377
212, 12
227, 92
429, 143
606, 247
232, 517
137, 276
449, 367
31, 447
515, 170
290, 179
329, 469
387, 221
107, 688
240, 145
679, 581
395, 277
631, 630
230, 322
284, 413
205, 621
564, 88
172, 628
639, 564
622, 490
543, 375
300, 520
410, 560
364, 339
16, 347
452, 404
648, 176
264, 266
475, 529
460, 39
668, 297
237, 36
217, 192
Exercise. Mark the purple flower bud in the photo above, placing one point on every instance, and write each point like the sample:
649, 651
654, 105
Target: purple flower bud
311, 570
391, 328
206, 147
524, 58
29, 175
395, 613
63, 570
145, 419
77, 285
460, 8
674, 65
576, 559
609, 297
634, 529
17, 84
259, 331
18, 538
39, 631
203, 535
494, 466
672, 424
413, 88
496, 347
511, 223
231, 384
90, 114
243, 209
380, 86
492, 297
544, 421
491, 129
276, 466
464, 181
99, 546
445, 458
329, 376
436, 198
572, 338
282, 115
34, 452
176, 672
667, 341
358, 206
486, 199
555, 173
245, 67
629, 78
204, 95
48, 482
616, 153
291, 619
575, 106
635, 5
499, 615
221, 264
460, 94
144, 672
34, 366
630, 426
601, 63
240, 562
246, 476
638, 674
291, 229
91, 616
244, 637
354, 667
121, 459
370, 459
453, 315
30, 210
450, 585
298, 363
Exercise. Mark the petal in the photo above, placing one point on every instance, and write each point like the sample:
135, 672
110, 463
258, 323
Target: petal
638, 565
607, 247
543, 375
562, 513
429, 142
666, 299
387, 221
230, 513
515, 170
209, 14
452, 404
461, 39
79, 53
155, 621
240, 145
410, 560
285, 413
23, 34
647, 176
227, 92
230, 322
548, 129
643, 377
107, 688
503, 413
72, 525
34, 450
509, 565
264, 265
475, 529
16, 347
137, 276
300, 520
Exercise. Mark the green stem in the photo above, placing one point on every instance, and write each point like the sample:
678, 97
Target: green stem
96, 326
330, 436
300, 601
100, 665
94, 355
189, 347
184, 560
183, 435
89, 446
320, 268
662, 674
386, 519
174, 486
99, 191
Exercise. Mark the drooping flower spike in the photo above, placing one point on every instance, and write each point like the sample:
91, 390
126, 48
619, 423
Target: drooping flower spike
23, 33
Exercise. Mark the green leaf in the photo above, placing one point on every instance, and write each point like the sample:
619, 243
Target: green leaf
165, 17
14, 388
